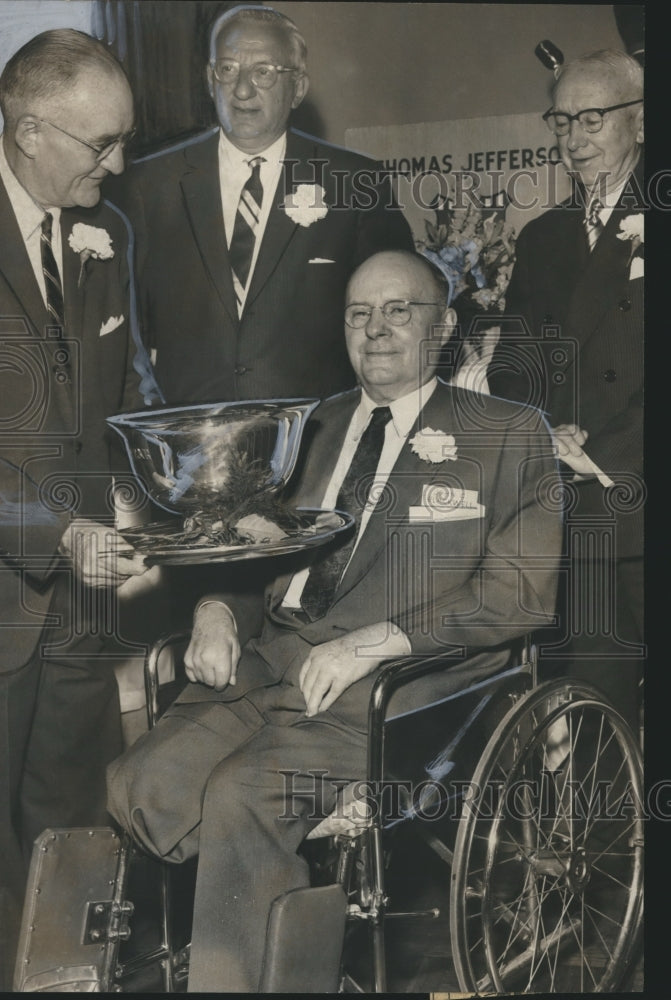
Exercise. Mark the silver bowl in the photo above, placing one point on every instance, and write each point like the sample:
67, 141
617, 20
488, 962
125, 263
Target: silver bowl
189, 458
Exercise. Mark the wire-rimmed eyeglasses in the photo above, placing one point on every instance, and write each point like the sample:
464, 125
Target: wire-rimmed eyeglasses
263, 75
396, 311
591, 119
102, 152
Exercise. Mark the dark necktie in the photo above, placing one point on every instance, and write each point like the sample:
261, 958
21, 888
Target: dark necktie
243, 241
51, 276
593, 223
325, 575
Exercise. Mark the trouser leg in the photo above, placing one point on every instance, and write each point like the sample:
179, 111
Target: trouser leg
18, 691
155, 789
614, 662
76, 733
253, 820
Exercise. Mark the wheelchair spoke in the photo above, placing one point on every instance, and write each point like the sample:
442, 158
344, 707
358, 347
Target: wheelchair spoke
559, 866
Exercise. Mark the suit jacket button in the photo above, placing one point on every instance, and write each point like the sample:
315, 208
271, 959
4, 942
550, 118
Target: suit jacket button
624, 305
609, 375
241, 370
78, 447
547, 318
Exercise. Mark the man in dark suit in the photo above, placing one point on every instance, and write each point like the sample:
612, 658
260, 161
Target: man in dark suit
247, 234
578, 284
206, 779
66, 362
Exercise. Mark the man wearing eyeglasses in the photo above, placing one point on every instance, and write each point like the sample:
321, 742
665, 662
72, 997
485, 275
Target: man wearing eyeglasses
66, 362
247, 234
451, 546
579, 270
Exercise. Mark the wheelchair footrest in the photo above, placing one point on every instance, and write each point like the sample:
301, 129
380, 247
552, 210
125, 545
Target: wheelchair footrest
74, 913
306, 932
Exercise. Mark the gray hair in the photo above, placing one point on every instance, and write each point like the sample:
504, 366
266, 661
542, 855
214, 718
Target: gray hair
265, 15
611, 62
47, 65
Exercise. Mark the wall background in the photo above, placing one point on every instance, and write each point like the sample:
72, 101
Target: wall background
393, 63
21, 19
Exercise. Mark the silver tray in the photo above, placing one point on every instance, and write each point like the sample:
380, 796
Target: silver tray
162, 543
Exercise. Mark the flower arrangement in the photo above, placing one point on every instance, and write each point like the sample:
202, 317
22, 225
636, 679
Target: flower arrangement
475, 250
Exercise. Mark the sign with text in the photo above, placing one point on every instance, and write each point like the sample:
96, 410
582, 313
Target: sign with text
508, 159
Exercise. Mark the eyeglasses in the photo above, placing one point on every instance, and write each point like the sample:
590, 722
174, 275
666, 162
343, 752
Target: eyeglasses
263, 75
102, 152
591, 119
397, 312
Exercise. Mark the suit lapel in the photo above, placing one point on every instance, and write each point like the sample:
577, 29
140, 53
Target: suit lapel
605, 270
280, 230
73, 290
202, 198
16, 267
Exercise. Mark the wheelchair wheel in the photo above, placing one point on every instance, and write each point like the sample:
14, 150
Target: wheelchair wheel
547, 878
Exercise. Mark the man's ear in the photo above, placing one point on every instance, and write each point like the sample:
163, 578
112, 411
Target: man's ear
210, 80
26, 135
447, 325
640, 131
301, 87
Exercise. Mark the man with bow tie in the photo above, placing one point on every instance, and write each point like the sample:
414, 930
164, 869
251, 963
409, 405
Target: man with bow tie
578, 278
248, 233
66, 362
421, 466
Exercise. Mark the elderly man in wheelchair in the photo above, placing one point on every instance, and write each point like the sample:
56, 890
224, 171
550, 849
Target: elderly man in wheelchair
391, 673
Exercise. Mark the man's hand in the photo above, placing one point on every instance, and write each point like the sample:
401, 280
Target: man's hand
569, 440
330, 668
214, 650
100, 556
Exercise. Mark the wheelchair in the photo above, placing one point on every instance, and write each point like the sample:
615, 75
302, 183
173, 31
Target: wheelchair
527, 795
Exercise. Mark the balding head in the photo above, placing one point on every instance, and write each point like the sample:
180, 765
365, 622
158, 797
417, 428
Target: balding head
47, 69
68, 114
604, 158
392, 358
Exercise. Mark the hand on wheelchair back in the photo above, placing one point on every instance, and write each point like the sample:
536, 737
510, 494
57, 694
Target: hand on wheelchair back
214, 650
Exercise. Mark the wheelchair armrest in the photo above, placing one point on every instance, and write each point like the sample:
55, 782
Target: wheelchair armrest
400, 671
151, 677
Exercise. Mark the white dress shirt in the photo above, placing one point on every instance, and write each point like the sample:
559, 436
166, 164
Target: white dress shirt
29, 216
404, 414
609, 201
234, 172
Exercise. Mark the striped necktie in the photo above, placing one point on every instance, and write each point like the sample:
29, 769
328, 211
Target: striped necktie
325, 575
241, 250
593, 223
52, 279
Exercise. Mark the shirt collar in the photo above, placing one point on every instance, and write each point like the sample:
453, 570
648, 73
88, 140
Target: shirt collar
610, 198
28, 213
404, 410
237, 158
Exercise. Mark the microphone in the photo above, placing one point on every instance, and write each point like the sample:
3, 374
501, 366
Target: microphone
551, 57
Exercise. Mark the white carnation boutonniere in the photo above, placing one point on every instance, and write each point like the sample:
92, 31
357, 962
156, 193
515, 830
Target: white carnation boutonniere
632, 229
434, 446
90, 241
306, 205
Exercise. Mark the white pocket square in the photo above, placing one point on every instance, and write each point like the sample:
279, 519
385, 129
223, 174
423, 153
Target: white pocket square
321, 260
446, 503
433, 514
111, 324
